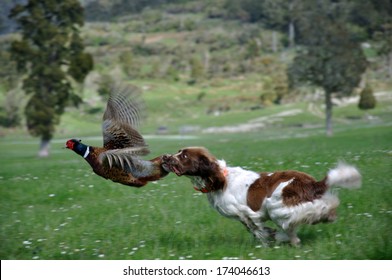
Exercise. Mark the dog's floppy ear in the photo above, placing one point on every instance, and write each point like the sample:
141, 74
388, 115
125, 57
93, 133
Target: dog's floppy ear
210, 172
205, 165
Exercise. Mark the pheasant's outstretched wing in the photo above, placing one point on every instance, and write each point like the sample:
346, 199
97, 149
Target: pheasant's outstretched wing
125, 158
123, 114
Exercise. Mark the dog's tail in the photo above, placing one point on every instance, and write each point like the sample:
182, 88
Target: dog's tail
344, 175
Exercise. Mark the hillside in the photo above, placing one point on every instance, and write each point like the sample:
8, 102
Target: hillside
202, 72
198, 75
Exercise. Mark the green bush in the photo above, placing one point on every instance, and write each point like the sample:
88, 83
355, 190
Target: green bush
367, 100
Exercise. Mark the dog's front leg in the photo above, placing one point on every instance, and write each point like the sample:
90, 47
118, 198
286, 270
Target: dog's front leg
260, 232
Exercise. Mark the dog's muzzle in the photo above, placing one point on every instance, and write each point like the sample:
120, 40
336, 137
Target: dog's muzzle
170, 164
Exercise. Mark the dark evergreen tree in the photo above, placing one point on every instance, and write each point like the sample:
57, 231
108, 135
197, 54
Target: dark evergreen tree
367, 100
51, 53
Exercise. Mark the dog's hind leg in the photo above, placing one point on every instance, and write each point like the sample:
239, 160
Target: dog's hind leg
288, 232
282, 237
292, 233
289, 235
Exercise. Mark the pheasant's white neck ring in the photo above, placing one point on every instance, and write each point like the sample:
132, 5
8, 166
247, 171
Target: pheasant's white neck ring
87, 152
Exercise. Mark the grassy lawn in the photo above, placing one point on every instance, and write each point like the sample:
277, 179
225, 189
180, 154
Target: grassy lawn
56, 208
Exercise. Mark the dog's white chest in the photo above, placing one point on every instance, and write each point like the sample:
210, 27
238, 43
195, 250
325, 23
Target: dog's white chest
232, 201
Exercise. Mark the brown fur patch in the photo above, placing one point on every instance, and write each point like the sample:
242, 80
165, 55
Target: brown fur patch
198, 161
303, 188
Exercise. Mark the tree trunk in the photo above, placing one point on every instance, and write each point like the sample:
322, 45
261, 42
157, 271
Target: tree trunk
274, 42
291, 26
206, 61
291, 35
328, 113
44, 148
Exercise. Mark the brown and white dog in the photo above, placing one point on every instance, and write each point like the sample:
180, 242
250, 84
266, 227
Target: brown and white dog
288, 198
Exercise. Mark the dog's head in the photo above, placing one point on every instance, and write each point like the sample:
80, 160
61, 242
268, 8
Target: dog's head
196, 162
191, 161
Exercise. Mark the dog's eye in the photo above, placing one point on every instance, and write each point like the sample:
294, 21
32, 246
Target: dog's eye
184, 156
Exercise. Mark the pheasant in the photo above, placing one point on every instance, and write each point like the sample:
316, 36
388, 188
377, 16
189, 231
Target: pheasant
119, 158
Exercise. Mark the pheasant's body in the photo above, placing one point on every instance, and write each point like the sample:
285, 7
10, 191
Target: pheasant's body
119, 158
152, 168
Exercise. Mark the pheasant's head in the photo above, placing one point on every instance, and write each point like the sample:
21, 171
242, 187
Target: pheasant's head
71, 144
78, 147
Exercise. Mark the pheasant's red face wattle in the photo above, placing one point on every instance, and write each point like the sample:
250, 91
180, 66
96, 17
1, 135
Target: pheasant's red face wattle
70, 144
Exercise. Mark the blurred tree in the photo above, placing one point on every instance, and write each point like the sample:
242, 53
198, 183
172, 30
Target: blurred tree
50, 52
253, 48
105, 84
282, 15
278, 15
10, 115
126, 60
375, 19
367, 100
371, 15
107, 10
9, 76
330, 58
234, 10
254, 9
11, 95
268, 93
197, 70
7, 25
384, 39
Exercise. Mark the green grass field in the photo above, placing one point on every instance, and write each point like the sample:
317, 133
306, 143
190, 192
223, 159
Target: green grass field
56, 208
